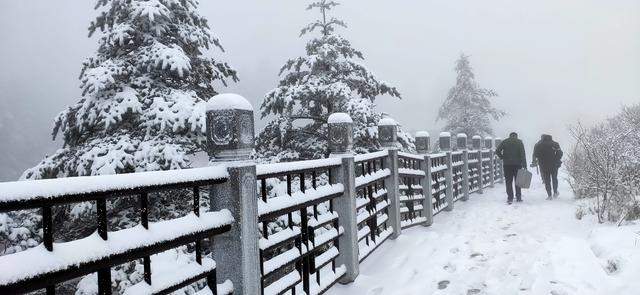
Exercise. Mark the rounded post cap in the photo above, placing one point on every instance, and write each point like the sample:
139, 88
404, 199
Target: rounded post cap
339, 118
387, 121
228, 101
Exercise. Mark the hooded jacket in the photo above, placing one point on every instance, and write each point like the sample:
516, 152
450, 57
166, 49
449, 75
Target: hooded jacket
548, 153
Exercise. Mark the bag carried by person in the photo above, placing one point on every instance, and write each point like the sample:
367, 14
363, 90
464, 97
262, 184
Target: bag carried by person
523, 178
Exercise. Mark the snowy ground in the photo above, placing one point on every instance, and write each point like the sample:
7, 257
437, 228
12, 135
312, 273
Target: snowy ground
487, 247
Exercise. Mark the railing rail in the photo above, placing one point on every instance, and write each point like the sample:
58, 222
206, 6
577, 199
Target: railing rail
299, 227
53, 263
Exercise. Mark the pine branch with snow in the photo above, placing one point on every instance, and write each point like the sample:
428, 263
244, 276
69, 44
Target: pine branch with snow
143, 92
330, 78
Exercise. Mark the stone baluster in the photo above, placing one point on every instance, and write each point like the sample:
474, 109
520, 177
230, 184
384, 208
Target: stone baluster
388, 136
230, 141
445, 146
462, 143
340, 146
423, 144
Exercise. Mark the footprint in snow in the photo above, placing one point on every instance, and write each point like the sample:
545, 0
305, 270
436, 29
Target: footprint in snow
473, 291
449, 267
376, 291
443, 284
474, 255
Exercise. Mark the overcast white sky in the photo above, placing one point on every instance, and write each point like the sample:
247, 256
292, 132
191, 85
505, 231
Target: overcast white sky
552, 61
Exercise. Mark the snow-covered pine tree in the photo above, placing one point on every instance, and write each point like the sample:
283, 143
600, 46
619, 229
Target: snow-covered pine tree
329, 78
467, 108
143, 92
142, 108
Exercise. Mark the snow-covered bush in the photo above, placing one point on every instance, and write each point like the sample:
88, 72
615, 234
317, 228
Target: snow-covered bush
329, 78
605, 165
467, 108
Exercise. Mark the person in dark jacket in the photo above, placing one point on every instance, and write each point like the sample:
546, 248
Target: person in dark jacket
548, 156
514, 158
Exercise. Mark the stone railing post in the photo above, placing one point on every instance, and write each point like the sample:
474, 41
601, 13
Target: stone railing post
423, 144
461, 139
497, 142
388, 136
477, 145
445, 146
488, 142
340, 144
462, 142
454, 142
230, 140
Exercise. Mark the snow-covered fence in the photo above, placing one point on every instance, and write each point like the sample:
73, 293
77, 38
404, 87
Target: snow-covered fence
412, 197
373, 200
282, 228
488, 157
45, 266
300, 227
498, 174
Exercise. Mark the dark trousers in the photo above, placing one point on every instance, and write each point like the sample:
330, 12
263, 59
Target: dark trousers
549, 177
510, 173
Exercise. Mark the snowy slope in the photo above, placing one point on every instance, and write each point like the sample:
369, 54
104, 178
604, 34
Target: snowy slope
487, 247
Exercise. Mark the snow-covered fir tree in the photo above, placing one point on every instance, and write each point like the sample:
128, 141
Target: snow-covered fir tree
143, 92
467, 108
329, 78
142, 108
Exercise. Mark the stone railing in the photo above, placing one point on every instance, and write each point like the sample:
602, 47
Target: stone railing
296, 227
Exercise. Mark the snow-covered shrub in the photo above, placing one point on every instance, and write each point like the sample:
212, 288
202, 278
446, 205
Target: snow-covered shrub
605, 165
329, 78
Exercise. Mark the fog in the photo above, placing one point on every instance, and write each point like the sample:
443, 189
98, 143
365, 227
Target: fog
552, 62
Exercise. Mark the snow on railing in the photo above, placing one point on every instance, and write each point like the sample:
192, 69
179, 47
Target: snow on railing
412, 173
299, 226
371, 156
372, 196
74, 189
44, 266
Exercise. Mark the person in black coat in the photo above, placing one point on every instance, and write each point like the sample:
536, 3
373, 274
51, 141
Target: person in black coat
511, 152
547, 154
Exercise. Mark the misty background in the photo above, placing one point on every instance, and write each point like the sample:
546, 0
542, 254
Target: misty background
552, 62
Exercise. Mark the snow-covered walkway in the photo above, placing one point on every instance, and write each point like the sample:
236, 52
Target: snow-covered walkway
487, 247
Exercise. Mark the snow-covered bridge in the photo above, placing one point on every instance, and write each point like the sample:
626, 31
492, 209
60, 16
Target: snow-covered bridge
297, 227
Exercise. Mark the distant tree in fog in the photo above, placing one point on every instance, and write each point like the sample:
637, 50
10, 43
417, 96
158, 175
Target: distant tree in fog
467, 108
